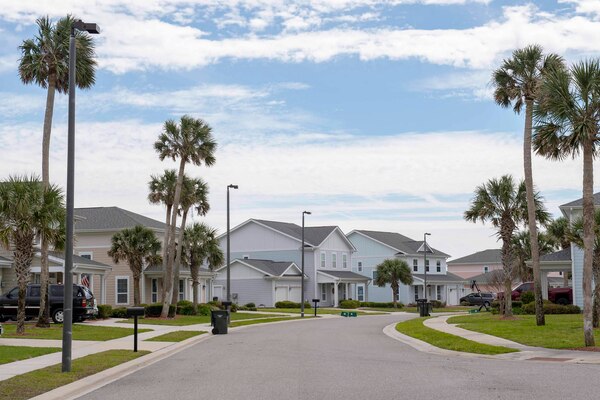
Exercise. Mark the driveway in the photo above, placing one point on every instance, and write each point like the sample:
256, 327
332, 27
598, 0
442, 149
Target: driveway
341, 358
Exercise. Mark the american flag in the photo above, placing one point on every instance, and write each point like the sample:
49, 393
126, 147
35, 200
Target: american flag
85, 281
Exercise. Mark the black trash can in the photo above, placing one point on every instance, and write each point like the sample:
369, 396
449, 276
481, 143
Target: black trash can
218, 320
424, 307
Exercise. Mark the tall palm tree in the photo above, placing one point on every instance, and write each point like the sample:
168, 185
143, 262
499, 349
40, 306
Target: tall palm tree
393, 272
27, 210
567, 121
189, 141
44, 61
194, 195
558, 230
516, 84
135, 246
200, 244
162, 191
521, 244
504, 204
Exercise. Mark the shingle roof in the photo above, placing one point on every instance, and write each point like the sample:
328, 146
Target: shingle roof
112, 218
182, 268
449, 277
78, 259
400, 242
313, 235
346, 275
579, 202
489, 256
561, 255
487, 277
269, 267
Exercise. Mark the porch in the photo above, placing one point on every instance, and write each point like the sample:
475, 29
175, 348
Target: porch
335, 286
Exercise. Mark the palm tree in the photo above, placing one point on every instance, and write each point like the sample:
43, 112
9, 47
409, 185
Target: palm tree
135, 246
394, 272
522, 250
504, 204
566, 124
162, 190
189, 141
194, 194
44, 61
27, 210
516, 84
558, 231
200, 244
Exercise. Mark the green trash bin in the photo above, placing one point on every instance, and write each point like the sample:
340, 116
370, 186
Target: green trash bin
218, 320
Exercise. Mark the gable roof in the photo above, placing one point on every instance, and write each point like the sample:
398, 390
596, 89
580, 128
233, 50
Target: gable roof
448, 277
112, 219
398, 242
487, 277
561, 255
344, 275
77, 260
268, 267
579, 202
489, 256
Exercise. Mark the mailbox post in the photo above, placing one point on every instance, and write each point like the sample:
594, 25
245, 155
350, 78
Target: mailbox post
135, 312
316, 301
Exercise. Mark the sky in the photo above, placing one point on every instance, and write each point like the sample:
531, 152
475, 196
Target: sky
374, 114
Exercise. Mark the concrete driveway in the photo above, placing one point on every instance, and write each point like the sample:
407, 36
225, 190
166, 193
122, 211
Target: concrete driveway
341, 358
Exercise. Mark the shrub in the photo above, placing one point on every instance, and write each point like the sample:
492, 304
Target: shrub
349, 304
234, 307
104, 311
374, 304
216, 305
154, 310
204, 309
250, 305
438, 304
119, 312
527, 297
290, 304
551, 308
187, 309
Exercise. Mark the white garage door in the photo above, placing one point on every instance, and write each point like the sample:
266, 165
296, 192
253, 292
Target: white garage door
281, 293
295, 294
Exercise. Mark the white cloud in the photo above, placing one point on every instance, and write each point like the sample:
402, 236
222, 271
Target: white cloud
473, 85
15, 104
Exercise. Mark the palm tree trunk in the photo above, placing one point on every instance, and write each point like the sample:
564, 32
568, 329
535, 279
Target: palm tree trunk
137, 273
23, 255
596, 305
175, 298
163, 294
171, 248
43, 320
195, 283
507, 227
533, 235
588, 238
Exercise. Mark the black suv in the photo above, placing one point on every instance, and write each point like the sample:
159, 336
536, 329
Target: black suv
84, 303
478, 299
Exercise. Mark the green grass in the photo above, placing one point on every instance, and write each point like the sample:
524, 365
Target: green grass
560, 331
10, 354
415, 328
443, 309
183, 320
177, 336
263, 321
80, 332
34, 383
311, 311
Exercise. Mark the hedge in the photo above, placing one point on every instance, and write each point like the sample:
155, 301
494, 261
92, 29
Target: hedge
527, 297
119, 312
104, 311
380, 305
290, 304
154, 310
551, 308
349, 304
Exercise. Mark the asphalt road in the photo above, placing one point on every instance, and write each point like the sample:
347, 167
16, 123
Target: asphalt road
348, 359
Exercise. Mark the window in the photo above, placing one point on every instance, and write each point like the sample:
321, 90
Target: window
416, 293
438, 292
122, 289
86, 254
415, 265
438, 266
181, 289
34, 291
360, 266
486, 269
427, 265
374, 276
360, 293
323, 292
333, 260
154, 291
322, 260
344, 261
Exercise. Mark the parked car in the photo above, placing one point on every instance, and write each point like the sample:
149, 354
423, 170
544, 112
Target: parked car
84, 303
478, 299
563, 295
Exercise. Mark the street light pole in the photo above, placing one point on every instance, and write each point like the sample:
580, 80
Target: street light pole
229, 247
302, 251
67, 339
425, 261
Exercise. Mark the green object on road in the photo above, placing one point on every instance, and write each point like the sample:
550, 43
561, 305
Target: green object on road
474, 311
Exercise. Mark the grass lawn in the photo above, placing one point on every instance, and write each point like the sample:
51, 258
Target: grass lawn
177, 336
560, 331
415, 328
311, 311
34, 383
10, 354
444, 309
80, 332
182, 320
263, 321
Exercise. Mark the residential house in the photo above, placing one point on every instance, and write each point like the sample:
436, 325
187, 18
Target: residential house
373, 247
477, 263
271, 251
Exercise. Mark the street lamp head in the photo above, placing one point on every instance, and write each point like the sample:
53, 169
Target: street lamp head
86, 27
306, 212
233, 186
427, 234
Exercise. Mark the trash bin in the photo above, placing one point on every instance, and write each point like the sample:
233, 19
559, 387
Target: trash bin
218, 320
424, 307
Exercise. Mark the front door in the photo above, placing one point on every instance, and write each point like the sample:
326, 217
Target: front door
281, 293
360, 292
218, 292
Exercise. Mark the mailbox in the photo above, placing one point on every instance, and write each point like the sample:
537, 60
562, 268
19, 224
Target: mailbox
316, 301
135, 311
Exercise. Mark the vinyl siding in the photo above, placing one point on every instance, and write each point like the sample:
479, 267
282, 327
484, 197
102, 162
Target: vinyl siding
257, 291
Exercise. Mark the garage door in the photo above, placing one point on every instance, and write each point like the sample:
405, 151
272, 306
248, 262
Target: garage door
281, 293
295, 294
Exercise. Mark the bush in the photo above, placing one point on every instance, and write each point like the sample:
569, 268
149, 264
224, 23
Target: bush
373, 304
154, 310
290, 304
204, 309
349, 304
119, 312
438, 304
466, 303
527, 297
551, 308
185, 307
250, 305
104, 311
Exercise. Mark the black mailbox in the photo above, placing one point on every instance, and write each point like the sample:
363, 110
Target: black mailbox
135, 311
316, 301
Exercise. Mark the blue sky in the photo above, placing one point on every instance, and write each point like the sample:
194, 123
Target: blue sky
371, 114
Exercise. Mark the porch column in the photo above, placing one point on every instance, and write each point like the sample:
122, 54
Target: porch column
435, 291
103, 289
366, 292
544, 276
335, 294
143, 289
346, 297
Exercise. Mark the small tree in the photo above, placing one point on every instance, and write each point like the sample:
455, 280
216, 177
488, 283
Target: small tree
394, 272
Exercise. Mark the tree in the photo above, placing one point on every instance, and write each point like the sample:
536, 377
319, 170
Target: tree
522, 250
504, 204
516, 84
44, 61
393, 272
189, 141
200, 244
135, 246
559, 232
162, 190
29, 210
567, 120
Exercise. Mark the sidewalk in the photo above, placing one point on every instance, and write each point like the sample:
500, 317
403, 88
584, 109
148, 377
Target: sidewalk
527, 353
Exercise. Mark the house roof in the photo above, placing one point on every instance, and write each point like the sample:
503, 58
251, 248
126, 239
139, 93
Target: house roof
487, 277
313, 235
78, 259
5, 262
269, 267
561, 255
399, 242
489, 256
448, 277
182, 268
579, 202
111, 219
345, 275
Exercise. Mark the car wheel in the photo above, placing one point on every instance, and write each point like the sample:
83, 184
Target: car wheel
58, 316
562, 301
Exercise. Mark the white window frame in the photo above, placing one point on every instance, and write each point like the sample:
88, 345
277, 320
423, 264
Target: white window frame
427, 265
323, 259
344, 260
374, 276
117, 279
153, 294
416, 292
486, 269
359, 266
333, 260
415, 265
438, 293
86, 253
438, 266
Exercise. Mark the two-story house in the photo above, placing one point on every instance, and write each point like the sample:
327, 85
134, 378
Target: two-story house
266, 264
373, 247
477, 263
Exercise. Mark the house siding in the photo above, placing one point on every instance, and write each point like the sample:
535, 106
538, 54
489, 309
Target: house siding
258, 291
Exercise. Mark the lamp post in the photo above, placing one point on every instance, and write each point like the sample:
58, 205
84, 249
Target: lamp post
425, 261
67, 339
302, 251
229, 249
